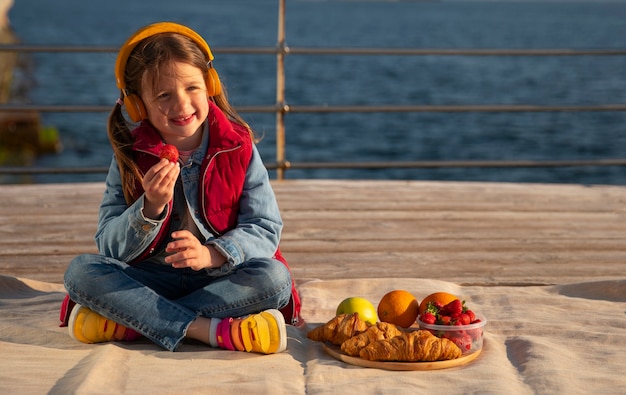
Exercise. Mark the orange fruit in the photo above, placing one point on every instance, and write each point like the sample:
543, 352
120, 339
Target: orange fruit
398, 307
442, 297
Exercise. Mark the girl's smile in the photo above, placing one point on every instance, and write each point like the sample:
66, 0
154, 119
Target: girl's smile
178, 105
183, 121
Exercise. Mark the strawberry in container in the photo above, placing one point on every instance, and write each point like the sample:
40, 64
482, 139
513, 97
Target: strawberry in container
454, 321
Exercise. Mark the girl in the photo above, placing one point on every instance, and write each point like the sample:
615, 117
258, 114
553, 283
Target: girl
189, 248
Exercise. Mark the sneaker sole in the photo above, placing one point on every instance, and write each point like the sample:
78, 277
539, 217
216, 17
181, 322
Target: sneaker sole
72, 320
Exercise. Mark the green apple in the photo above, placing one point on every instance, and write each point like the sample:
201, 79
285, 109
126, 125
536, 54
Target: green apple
367, 311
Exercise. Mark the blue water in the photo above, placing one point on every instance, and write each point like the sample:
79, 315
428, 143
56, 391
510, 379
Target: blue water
368, 80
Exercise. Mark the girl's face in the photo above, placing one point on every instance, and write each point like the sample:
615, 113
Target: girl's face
177, 104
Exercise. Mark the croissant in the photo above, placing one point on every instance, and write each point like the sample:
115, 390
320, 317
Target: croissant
380, 331
415, 346
339, 329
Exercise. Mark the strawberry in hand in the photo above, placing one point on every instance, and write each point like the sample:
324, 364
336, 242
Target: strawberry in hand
169, 152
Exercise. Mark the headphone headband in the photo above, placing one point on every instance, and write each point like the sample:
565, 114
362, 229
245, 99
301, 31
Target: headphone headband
148, 31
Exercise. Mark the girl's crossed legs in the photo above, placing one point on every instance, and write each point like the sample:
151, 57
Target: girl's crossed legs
167, 304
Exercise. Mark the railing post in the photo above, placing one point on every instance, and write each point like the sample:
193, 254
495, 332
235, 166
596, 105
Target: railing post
280, 92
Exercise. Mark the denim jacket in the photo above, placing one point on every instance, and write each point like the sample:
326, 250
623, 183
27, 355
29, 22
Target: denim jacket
124, 233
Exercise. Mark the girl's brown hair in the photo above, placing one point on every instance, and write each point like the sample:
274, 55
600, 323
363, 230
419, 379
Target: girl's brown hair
148, 58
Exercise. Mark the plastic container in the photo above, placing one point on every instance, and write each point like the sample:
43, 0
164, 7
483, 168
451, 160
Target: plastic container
469, 338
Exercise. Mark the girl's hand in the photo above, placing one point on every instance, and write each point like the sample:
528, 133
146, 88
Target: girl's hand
158, 184
189, 252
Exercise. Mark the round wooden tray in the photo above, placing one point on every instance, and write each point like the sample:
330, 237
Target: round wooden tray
336, 352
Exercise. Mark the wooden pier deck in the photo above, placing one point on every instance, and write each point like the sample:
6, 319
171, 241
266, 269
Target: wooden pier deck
464, 232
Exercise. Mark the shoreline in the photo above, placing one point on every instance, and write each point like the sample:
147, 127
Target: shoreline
8, 60
21, 134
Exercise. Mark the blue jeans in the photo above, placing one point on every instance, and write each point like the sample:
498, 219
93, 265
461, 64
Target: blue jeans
160, 301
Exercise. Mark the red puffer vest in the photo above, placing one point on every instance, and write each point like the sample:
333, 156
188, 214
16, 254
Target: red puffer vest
223, 170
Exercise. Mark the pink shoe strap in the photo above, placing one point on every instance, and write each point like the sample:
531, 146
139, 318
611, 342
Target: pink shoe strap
131, 335
223, 334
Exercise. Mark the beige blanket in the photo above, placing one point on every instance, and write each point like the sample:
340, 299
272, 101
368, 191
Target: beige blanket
566, 339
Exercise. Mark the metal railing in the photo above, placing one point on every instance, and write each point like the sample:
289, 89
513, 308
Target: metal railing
281, 108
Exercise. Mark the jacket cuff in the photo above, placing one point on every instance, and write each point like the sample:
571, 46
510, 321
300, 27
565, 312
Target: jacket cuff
234, 256
142, 219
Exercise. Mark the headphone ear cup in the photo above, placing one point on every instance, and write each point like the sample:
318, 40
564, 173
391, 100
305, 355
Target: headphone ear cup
135, 108
213, 84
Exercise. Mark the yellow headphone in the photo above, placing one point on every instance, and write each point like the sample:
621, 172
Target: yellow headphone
134, 106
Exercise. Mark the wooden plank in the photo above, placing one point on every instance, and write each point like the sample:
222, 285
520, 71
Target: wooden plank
469, 233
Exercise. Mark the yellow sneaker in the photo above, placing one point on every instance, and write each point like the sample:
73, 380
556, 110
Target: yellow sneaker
263, 333
87, 326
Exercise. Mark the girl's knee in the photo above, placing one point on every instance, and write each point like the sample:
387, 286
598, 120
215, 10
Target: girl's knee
76, 268
82, 270
277, 271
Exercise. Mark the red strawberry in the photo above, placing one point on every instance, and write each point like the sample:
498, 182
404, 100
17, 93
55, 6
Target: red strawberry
428, 318
464, 342
456, 306
471, 315
169, 152
433, 307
